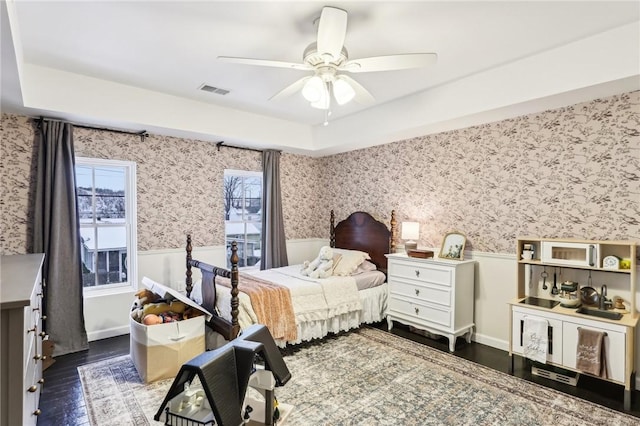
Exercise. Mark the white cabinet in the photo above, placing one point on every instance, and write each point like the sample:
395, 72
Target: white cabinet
554, 334
436, 295
614, 347
22, 335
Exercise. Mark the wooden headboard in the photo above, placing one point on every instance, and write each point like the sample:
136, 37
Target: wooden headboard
360, 231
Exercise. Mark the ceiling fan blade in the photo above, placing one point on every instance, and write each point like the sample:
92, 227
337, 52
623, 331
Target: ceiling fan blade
332, 30
296, 86
390, 62
362, 95
265, 63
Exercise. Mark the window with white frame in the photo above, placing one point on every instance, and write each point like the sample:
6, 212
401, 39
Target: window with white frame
106, 193
243, 215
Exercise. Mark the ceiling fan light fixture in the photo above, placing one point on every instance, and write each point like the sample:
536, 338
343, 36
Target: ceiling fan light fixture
314, 89
342, 91
324, 101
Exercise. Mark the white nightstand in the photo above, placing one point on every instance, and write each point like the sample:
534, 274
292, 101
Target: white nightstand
436, 295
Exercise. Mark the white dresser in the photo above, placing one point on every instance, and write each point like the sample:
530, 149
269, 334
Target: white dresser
21, 350
436, 295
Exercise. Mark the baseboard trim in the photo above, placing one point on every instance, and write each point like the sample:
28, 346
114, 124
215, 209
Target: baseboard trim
105, 334
490, 341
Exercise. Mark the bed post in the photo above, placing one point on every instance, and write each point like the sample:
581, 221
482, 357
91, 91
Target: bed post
332, 231
394, 230
235, 301
188, 280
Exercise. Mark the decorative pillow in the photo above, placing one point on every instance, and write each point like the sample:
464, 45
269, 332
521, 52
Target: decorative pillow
365, 266
336, 260
349, 262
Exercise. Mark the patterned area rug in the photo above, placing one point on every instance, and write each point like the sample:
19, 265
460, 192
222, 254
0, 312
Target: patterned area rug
366, 377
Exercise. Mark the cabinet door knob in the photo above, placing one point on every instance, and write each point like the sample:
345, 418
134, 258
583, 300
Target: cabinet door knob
44, 317
32, 388
37, 412
41, 381
417, 292
42, 334
37, 357
417, 273
417, 311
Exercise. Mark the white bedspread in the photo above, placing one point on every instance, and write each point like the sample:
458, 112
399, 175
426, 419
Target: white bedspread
320, 306
314, 299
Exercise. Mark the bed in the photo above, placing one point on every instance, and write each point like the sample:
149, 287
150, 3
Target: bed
297, 308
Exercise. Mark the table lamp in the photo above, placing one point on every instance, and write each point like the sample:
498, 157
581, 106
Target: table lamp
410, 232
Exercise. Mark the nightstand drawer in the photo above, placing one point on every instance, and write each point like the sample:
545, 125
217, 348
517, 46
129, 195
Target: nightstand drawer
421, 272
422, 313
437, 294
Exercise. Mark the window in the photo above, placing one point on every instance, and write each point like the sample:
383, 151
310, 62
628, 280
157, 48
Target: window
243, 215
106, 195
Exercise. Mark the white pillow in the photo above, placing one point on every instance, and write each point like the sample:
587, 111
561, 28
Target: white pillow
349, 261
365, 266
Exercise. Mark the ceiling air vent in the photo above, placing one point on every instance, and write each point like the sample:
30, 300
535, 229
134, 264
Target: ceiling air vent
218, 91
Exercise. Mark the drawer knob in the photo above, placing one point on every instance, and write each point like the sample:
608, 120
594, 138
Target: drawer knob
417, 311
41, 381
417, 273
32, 388
37, 412
37, 357
44, 317
417, 292
42, 334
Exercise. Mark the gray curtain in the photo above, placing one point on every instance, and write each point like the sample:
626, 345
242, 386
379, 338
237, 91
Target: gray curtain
274, 248
57, 235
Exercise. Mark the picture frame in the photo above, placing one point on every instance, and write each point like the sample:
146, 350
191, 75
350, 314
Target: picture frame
453, 246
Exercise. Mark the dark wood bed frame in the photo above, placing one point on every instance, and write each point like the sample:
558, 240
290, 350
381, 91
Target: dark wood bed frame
359, 231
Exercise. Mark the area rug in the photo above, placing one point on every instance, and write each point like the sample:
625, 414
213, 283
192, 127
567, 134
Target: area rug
366, 377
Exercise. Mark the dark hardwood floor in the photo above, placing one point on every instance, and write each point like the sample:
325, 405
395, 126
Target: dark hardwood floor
62, 402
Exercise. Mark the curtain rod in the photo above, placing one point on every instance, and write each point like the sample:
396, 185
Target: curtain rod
222, 144
142, 133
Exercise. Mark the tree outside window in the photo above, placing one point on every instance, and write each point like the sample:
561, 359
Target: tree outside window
243, 215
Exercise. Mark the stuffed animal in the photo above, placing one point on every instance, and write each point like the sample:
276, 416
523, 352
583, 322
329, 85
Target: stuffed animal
174, 306
145, 296
321, 266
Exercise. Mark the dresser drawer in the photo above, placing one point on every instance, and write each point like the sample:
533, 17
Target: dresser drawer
422, 272
420, 312
440, 295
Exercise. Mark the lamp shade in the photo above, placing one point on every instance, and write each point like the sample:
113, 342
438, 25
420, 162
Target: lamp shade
342, 91
314, 89
410, 231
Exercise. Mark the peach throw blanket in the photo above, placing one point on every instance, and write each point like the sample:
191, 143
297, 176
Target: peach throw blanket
271, 303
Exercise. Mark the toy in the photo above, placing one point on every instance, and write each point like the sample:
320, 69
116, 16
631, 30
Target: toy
321, 266
153, 319
175, 306
145, 296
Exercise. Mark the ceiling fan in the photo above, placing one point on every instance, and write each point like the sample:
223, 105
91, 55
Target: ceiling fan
328, 59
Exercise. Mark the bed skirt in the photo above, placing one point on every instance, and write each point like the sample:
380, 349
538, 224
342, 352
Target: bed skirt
374, 308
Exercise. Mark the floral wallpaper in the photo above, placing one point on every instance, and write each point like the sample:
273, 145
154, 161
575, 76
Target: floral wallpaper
179, 185
572, 172
569, 172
